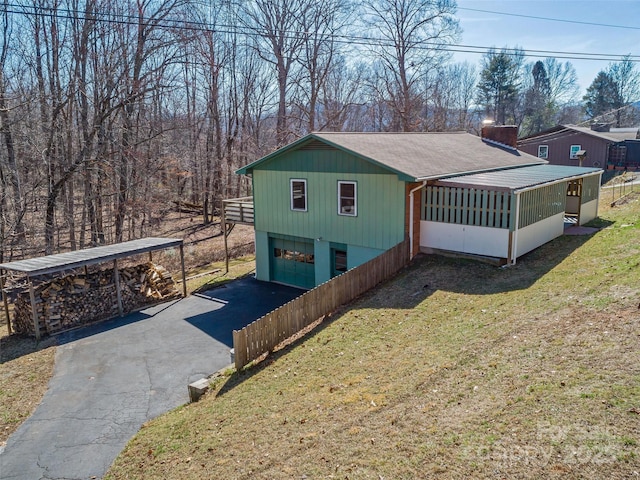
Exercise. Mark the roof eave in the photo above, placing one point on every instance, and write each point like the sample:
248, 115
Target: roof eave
558, 180
247, 170
403, 176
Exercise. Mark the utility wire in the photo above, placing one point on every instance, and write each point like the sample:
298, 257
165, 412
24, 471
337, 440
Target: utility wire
548, 19
605, 114
132, 20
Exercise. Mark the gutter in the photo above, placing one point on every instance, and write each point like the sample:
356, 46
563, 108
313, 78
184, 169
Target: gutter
411, 192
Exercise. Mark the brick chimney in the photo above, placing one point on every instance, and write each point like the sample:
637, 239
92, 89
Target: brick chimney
504, 134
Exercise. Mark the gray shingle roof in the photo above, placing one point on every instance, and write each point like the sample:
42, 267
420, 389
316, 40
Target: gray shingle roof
419, 156
519, 178
614, 136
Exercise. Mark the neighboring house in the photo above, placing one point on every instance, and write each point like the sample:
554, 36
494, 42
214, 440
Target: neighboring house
599, 146
331, 201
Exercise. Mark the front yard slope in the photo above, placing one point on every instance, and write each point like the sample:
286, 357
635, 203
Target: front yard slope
454, 369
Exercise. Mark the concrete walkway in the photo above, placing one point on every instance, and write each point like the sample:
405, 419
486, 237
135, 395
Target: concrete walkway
111, 378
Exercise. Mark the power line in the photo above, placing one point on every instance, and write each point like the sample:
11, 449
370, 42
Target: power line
548, 19
605, 114
122, 19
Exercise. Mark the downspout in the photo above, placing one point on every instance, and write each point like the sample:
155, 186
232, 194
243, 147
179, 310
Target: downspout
514, 250
411, 192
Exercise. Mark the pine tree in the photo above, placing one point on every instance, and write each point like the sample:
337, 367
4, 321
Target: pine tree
499, 85
538, 104
603, 96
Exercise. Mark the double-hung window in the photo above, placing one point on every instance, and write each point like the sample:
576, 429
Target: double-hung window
348, 198
298, 195
543, 151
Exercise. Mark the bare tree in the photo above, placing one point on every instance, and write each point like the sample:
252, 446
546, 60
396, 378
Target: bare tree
341, 98
277, 34
321, 25
152, 53
563, 81
627, 79
549, 88
12, 176
450, 96
411, 34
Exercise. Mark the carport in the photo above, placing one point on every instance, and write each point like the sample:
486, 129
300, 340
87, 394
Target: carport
507, 213
55, 264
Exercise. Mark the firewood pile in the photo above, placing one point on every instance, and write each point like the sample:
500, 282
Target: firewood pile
76, 300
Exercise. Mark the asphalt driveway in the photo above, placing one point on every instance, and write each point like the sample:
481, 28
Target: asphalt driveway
111, 378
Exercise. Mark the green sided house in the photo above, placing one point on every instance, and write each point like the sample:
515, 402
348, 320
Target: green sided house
332, 201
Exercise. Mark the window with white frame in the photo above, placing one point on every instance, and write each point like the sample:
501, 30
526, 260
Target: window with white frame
348, 198
298, 195
573, 153
543, 151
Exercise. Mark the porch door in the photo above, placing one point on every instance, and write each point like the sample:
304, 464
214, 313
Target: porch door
574, 199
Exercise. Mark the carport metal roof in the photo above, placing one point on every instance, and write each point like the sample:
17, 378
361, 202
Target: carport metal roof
90, 256
518, 179
81, 258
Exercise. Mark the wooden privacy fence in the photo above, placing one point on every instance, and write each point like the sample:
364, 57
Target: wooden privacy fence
263, 335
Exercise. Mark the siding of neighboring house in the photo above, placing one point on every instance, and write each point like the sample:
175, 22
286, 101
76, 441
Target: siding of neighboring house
559, 148
625, 155
378, 226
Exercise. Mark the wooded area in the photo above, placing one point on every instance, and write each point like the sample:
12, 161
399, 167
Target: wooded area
112, 112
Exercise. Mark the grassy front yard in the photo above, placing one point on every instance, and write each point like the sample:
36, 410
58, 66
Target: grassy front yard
454, 369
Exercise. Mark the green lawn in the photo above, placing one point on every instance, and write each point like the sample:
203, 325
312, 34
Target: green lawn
453, 369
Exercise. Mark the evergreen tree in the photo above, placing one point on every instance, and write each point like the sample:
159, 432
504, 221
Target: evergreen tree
538, 103
499, 85
603, 96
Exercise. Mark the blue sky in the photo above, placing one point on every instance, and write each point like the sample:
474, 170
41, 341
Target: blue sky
493, 30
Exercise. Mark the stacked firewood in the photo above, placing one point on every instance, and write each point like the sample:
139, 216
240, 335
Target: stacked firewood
76, 300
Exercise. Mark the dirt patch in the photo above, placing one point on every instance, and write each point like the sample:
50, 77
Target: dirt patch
628, 198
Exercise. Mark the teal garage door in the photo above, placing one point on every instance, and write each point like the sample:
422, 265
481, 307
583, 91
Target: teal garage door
293, 262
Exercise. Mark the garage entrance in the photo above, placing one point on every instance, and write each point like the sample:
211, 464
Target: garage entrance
293, 261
